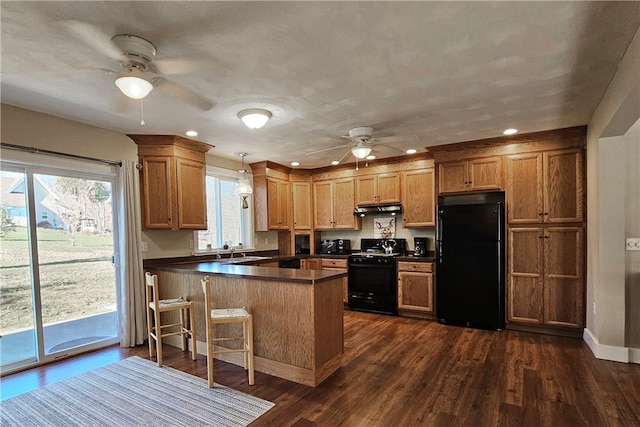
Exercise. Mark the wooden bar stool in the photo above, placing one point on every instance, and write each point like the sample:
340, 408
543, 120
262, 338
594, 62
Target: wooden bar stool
155, 328
219, 316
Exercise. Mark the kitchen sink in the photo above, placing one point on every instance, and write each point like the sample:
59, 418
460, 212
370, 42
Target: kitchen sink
241, 259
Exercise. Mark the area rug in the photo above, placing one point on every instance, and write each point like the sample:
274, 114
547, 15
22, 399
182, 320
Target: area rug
132, 392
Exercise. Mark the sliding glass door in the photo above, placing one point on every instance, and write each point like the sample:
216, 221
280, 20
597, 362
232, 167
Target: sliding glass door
58, 288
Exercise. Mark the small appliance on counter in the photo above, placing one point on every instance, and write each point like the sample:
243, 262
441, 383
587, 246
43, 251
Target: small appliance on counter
420, 246
335, 246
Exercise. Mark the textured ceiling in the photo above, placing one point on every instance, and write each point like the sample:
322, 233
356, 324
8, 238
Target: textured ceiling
443, 71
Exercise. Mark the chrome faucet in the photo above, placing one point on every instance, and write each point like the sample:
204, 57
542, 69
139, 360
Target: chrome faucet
231, 249
218, 256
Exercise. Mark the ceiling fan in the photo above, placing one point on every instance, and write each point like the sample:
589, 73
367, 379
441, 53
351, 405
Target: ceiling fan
139, 71
363, 143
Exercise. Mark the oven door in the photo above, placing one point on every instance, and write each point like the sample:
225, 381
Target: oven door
373, 287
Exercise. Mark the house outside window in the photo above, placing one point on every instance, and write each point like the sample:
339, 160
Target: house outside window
227, 223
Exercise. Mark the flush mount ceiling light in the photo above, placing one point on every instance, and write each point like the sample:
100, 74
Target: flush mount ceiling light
254, 118
361, 151
412, 151
243, 187
134, 83
510, 131
295, 163
191, 133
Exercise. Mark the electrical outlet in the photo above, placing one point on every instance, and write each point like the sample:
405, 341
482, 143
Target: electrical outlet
594, 308
633, 244
266, 240
144, 247
190, 244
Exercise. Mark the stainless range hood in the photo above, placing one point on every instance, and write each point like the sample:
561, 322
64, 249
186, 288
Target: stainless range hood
368, 210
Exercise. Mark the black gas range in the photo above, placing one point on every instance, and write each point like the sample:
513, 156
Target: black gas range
372, 275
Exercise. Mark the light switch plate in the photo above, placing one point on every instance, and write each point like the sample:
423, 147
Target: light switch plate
633, 244
144, 246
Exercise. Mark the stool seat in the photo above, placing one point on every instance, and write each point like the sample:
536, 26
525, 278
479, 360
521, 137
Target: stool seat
157, 330
219, 316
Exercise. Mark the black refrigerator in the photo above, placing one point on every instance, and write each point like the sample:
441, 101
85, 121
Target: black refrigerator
470, 273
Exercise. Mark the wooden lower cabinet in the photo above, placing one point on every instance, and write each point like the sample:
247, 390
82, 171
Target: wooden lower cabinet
338, 264
415, 286
546, 276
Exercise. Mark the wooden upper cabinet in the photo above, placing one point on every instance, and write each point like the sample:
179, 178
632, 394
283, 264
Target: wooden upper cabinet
545, 187
173, 174
563, 190
301, 205
157, 192
418, 198
344, 204
470, 175
335, 202
380, 188
192, 209
277, 204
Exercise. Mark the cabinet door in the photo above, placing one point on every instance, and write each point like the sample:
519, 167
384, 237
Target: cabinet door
344, 204
323, 212
301, 205
388, 188
418, 198
157, 192
366, 190
485, 174
283, 206
277, 204
524, 189
415, 291
563, 192
191, 194
563, 276
452, 177
525, 275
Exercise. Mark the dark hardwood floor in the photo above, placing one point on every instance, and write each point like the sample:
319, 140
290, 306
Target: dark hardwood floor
408, 372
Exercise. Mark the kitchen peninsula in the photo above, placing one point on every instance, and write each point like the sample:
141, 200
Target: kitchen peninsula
297, 314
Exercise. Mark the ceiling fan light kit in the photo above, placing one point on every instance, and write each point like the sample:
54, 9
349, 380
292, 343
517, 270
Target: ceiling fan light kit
134, 83
254, 118
361, 151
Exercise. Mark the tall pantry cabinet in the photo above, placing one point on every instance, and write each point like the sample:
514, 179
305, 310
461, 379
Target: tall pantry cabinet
545, 252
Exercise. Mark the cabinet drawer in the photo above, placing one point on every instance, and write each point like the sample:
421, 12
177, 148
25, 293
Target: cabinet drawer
423, 267
334, 263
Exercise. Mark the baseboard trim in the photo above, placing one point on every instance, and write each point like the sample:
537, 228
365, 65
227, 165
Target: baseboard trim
609, 352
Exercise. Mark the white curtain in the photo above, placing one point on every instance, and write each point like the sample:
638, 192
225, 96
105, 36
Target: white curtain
132, 312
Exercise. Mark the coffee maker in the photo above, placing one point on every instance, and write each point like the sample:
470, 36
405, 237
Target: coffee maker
419, 246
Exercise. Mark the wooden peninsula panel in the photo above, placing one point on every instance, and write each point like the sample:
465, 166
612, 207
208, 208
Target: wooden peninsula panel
298, 326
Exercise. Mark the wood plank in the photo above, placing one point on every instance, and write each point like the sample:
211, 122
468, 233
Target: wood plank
410, 372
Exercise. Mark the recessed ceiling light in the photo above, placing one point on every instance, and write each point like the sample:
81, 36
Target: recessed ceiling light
412, 151
295, 163
191, 133
371, 157
335, 162
510, 131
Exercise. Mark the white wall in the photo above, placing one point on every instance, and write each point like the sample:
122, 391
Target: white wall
613, 212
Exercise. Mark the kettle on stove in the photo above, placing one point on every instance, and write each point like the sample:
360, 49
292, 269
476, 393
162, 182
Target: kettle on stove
419, 246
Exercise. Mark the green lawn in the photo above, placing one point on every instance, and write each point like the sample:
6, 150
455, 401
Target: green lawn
76, 281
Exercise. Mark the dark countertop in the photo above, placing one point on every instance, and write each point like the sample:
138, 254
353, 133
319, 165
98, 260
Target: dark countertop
251, 272
416, 259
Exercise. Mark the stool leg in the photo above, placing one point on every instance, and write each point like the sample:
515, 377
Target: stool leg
158, 337
249, 339
192, 326
209, 354
183, 329
150, 330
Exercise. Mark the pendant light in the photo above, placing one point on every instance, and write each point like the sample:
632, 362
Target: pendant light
243, 187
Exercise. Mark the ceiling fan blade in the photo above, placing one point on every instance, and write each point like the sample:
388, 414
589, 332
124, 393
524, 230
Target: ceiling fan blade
325, 149
399, 138
174, 66
93, 37
388, 148
182, 93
